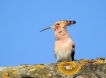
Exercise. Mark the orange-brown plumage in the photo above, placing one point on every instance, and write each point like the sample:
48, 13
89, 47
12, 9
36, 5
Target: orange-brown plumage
64, 47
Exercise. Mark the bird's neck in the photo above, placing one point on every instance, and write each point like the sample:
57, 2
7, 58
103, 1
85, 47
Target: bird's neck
61, 35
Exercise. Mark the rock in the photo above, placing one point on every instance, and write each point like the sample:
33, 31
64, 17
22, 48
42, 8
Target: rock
75, 69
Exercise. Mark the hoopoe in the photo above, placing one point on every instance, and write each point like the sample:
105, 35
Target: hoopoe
64, 47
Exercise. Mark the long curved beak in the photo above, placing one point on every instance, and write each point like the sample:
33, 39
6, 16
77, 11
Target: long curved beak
47, 28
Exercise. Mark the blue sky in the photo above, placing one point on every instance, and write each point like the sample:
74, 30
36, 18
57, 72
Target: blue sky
21, 20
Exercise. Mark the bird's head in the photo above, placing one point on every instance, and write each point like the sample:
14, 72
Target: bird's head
60, 24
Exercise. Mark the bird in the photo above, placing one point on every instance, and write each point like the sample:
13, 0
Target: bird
64, 47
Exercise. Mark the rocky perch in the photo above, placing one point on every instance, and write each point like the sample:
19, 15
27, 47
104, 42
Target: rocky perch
76, 69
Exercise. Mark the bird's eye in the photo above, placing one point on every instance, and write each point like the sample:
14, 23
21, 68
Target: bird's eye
58, 24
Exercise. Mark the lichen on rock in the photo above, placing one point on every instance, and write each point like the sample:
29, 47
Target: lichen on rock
81, 68
69, 68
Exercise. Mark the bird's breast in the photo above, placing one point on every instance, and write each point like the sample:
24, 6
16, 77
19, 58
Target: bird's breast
63, 45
